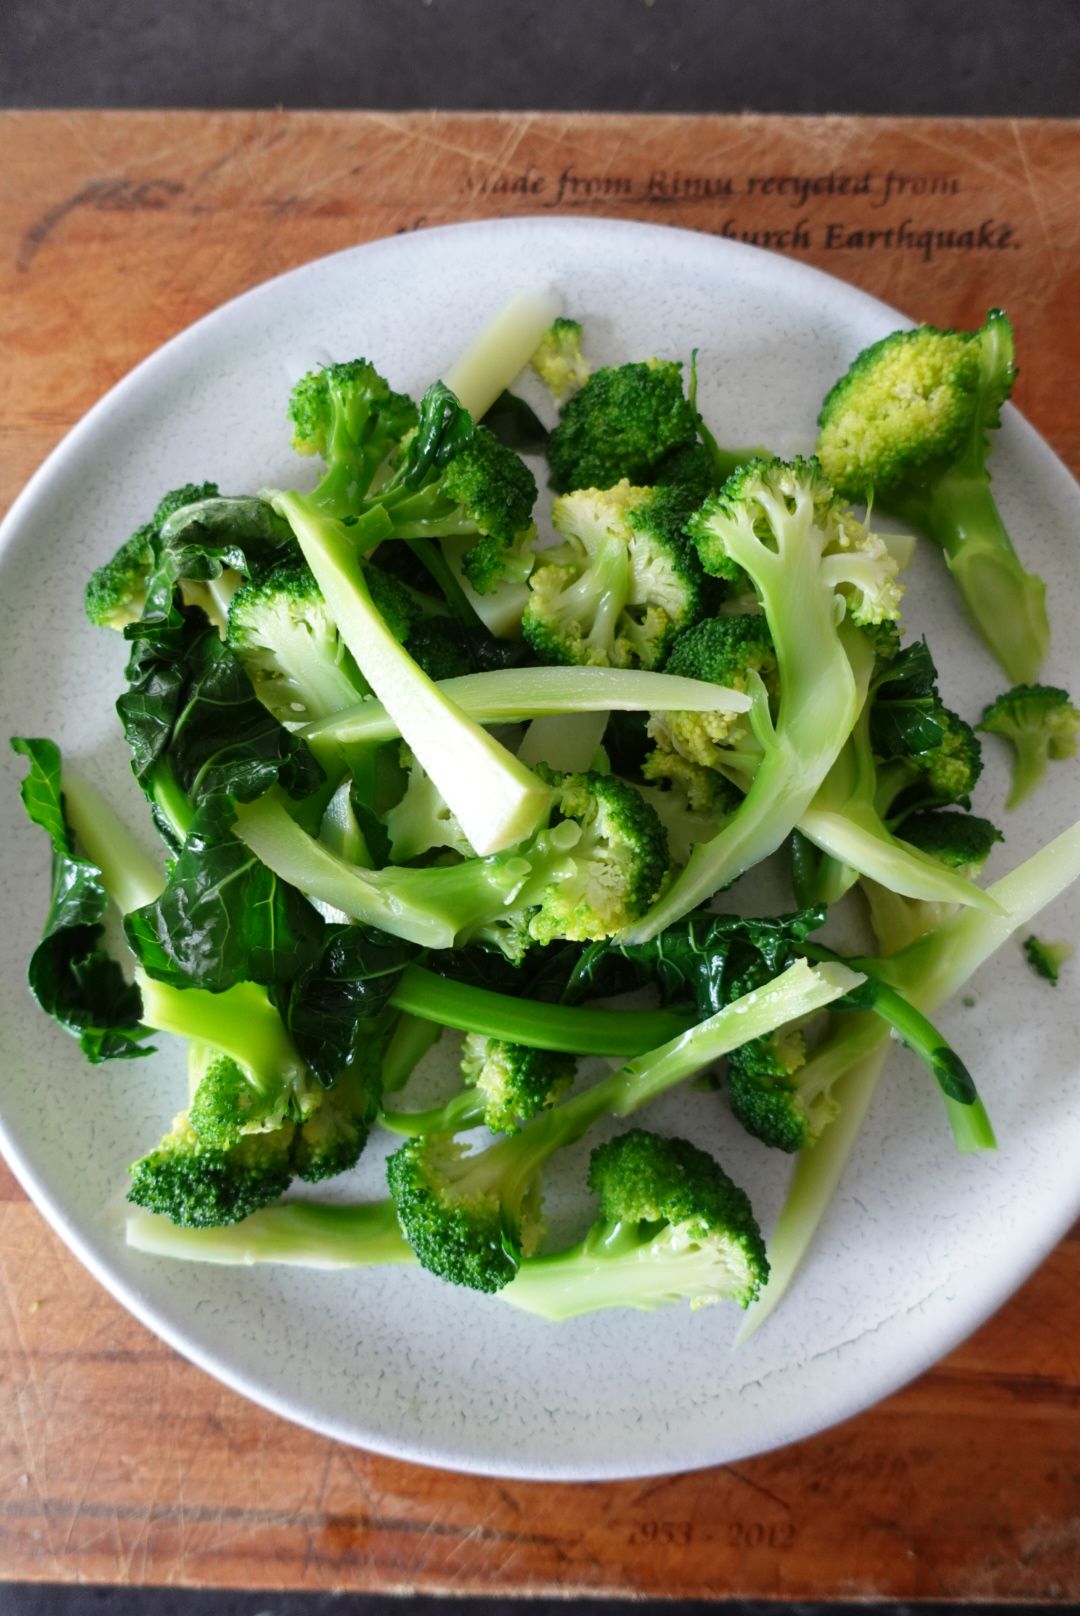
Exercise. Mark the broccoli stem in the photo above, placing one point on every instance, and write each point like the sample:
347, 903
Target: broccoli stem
928, 972
128, 874
566, 1028
1006, 603
464, 1110
241, 1022
303, 1233
566, 741
514, 695
432, 907
410, 1041
856, 838
496, 800
501, 351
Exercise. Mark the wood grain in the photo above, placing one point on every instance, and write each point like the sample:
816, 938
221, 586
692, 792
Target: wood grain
119, 1462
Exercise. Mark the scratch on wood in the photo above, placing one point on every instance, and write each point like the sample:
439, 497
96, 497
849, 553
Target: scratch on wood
122, 194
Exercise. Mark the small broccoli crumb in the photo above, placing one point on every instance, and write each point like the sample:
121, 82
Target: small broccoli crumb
1046, 959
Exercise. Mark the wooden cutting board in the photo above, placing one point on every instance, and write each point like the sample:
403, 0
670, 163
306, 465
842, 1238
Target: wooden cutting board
119, 1462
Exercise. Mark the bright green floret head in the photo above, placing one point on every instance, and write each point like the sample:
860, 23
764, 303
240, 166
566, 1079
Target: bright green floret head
962, 841
621, 425
329, 1141
619, 587
349, 414
496, 492
1042, 726
468, 1216
604, 862
1046, 959
226, 1103
765, 1095
559, 361
952, 767
723, 650
203, 1186
908, 402
692, 1221
783, 504
283, 633
516, 1083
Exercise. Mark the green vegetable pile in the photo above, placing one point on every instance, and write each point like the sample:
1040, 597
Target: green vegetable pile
421, 765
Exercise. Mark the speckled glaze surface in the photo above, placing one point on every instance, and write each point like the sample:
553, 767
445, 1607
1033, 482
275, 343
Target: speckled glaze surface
919, 1245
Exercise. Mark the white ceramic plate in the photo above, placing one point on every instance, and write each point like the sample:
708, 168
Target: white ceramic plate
919, 1246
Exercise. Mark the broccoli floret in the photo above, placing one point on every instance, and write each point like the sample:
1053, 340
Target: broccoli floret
329, 1141
593, 869
767, 1097
819, 575
926, 753
559, 361
690, 800
724, 651
506, 1086
288, 642
673, 1227
200, 1186
907, 425
471, 1217
438, 646
1046, 959
348, 414
116, 592
514, 1083
620, 426
1042, 725
225, 1102
619, 587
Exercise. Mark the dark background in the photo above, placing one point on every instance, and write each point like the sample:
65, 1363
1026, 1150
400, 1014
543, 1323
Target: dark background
974, 58
969, 57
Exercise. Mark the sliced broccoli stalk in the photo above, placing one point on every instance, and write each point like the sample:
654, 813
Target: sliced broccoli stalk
516, 695
496, 799
810, 562
673, 1227
349, 415
928, 973
571, 1029
471, 1216
585, 876
501, 351
1041, 724
844, 822
960, 841
1046, 959
506, 1085
908, 427
621, 425
559, 361
619, 588
304, 1234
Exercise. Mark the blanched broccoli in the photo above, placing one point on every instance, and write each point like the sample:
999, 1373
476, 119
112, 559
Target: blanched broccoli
349, 415
673, 1227
596, 865
559, 361
201, 1186
471, 1216
691, 801
421, 820
1046, 959
116, 592
619, 588
506, 1085
725, 651
767, 1096
621, 426
819, 575
907, 425
1041, 724
961, 842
